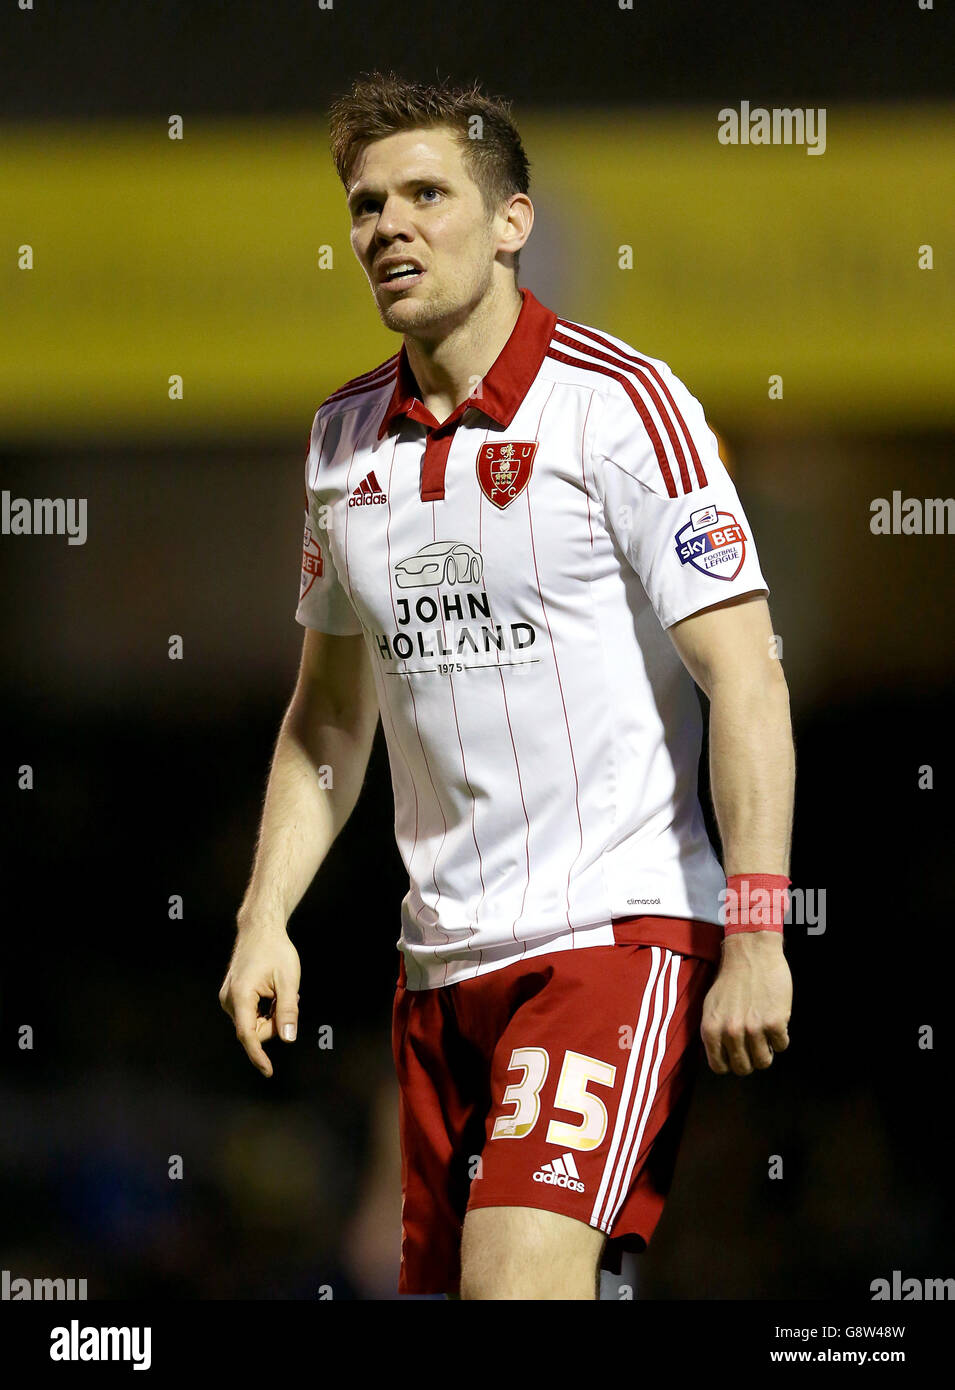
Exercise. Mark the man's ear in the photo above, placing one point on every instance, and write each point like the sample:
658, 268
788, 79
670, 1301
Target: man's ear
517, 214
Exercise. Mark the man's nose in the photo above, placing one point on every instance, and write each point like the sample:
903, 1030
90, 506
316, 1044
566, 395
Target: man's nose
393, 219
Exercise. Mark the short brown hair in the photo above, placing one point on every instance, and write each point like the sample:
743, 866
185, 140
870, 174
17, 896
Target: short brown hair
381, 104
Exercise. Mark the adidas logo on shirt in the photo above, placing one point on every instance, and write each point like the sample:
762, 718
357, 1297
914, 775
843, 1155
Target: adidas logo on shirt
368, 493
562, 1172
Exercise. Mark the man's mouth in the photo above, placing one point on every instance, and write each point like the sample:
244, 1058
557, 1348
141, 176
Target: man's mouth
402, 275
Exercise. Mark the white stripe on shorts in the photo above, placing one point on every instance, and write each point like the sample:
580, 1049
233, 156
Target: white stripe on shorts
636, 1100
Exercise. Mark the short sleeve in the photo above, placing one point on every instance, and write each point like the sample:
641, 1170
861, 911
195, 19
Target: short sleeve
668, 500
322, 602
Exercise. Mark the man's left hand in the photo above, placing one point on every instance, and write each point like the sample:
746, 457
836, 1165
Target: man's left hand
746, 1011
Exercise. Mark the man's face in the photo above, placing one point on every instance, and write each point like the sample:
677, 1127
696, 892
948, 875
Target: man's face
411, 198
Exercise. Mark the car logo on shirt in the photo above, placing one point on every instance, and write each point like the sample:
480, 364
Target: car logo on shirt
441, 562
713, 542
504, 469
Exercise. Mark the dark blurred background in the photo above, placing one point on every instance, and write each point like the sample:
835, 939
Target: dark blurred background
203, 258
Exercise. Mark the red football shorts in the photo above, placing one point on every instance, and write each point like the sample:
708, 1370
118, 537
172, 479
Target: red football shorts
561, 1083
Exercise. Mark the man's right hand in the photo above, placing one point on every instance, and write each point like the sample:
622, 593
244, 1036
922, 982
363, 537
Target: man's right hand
264, 965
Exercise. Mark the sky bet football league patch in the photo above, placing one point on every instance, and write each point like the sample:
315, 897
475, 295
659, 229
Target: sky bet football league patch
712, 542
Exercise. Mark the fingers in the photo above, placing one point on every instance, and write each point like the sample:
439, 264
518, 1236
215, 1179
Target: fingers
740, 1050
286, 1007
252, 1030
225, 996
715, 1055
264, 973
735, 1040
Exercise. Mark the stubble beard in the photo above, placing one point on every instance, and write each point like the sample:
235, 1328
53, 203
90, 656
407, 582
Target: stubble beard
440, 310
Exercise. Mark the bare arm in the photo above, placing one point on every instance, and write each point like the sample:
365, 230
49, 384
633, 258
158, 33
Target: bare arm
318, 766
320, 759
729, 650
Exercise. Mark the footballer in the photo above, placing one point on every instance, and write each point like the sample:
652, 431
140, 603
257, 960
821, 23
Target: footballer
522, 554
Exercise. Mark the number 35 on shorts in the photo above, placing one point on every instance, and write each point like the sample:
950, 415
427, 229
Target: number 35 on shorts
578, 1071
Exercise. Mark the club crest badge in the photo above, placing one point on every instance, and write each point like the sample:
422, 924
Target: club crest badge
712, 542
504, 469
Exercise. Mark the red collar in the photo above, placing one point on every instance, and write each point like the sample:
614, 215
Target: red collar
505, 384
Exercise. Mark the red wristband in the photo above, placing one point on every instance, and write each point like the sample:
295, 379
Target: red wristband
754, 902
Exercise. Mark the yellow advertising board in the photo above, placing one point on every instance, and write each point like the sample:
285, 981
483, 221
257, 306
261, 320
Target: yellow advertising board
205, 287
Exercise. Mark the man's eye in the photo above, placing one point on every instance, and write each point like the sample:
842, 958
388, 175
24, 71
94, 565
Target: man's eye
369, 204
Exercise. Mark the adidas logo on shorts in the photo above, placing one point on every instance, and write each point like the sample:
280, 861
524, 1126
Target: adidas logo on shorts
562, 1172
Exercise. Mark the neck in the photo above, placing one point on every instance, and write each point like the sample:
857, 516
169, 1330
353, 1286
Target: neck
448, 369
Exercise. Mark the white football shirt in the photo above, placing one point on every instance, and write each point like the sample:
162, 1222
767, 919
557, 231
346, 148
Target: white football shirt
513, 571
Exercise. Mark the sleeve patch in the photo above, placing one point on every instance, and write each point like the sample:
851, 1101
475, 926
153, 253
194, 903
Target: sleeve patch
313, 565
713, 542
